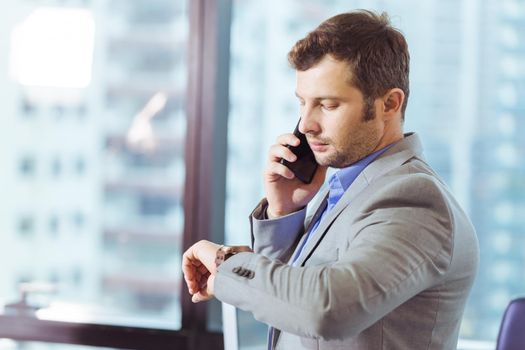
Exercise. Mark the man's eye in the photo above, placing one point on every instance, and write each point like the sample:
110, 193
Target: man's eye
329, 107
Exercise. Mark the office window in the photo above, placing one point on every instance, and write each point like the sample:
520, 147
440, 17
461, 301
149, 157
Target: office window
137, 51
129, 118
465, 103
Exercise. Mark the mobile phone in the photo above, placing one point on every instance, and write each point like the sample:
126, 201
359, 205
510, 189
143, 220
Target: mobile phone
305, 166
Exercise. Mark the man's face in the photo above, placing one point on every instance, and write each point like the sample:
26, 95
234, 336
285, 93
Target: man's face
333, 113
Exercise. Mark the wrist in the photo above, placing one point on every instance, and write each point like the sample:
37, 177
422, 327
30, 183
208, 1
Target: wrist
223, 253
271, 213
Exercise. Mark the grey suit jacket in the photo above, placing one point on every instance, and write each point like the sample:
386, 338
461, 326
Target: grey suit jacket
389, 267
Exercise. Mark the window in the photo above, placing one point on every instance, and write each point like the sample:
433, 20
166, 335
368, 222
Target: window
120, 103
71, 84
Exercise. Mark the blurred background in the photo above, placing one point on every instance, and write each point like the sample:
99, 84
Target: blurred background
93, 128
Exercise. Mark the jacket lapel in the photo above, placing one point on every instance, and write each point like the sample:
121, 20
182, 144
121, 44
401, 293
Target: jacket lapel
406, 149
357, 186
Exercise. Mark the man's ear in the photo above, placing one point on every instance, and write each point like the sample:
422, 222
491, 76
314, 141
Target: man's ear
393, 102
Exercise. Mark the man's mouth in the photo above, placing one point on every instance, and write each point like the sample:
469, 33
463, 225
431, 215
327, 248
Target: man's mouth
317, 146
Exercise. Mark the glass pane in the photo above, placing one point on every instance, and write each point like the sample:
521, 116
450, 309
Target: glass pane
466, 79
91, 152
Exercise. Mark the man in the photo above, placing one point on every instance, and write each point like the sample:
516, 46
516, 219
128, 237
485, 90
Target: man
388, 257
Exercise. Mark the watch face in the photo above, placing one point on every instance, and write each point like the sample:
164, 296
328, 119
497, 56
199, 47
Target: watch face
223, 253
219, 256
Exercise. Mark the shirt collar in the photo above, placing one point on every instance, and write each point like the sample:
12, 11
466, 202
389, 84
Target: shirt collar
343, 178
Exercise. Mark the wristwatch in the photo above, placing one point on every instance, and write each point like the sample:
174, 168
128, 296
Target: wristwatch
225, 252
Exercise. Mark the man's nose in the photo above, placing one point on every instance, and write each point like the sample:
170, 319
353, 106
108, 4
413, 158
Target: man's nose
309, 123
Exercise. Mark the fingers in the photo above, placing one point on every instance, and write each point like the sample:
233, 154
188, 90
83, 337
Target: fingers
196, 279
198, 297
191, 277
279, 149
202, 269
275, 170
198, 264
278, 152
193, 270
189, 272
288, 139
207, 292
197, 275
203, 279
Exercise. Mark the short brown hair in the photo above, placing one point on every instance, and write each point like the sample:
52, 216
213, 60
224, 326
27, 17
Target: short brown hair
376, 52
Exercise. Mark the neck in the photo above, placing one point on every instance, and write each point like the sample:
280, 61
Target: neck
389, 137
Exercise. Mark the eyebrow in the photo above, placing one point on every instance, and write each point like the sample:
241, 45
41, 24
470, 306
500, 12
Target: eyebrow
328, 97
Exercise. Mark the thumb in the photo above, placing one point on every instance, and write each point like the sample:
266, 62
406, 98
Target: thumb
200, 296
205, 293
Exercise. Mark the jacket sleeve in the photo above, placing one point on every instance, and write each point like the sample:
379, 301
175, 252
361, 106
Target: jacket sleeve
402, 246
276, 238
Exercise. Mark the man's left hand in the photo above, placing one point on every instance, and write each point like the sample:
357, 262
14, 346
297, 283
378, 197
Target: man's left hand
198, 266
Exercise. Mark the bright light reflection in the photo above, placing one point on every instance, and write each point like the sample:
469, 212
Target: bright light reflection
8, 344
84, 313
53, 47
140, 135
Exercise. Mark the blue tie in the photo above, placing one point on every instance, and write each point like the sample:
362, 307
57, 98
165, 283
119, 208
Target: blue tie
335, 193
270, 337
